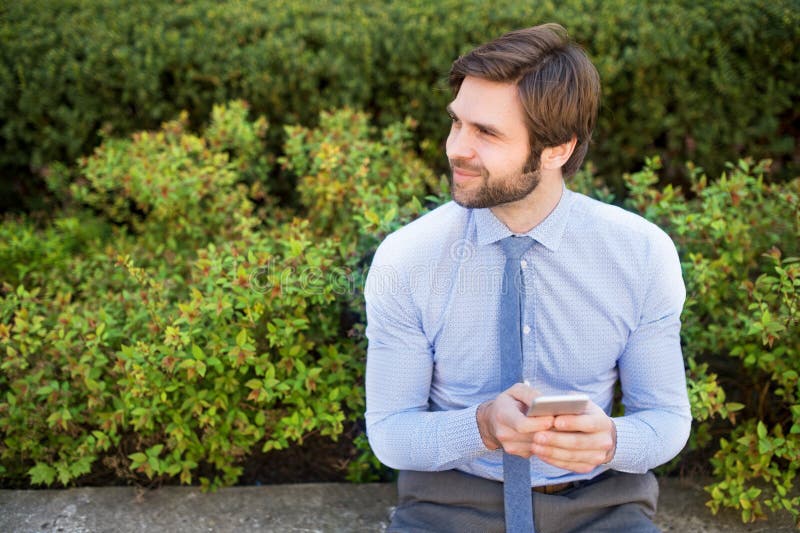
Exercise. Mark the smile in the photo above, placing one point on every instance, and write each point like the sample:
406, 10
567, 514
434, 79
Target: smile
463, 176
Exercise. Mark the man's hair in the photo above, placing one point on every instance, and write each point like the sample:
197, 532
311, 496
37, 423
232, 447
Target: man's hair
558, 85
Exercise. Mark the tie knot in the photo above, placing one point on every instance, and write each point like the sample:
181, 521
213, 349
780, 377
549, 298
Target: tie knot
514, 247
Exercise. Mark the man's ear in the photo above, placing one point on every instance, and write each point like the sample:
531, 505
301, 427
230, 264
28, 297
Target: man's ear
555, 157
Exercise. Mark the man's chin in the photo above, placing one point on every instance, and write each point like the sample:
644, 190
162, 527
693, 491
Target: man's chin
469, 201
483, 200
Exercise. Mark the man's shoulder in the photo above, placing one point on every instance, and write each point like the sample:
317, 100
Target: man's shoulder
427, 235
601, 217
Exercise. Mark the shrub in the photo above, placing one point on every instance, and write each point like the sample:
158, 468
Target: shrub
171, 184
168, 335
27, 250
193, 332
352, 186
202, 378
705, 81
739, 239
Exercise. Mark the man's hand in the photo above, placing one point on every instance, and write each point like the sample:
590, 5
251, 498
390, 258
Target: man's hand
503, 424
577, 442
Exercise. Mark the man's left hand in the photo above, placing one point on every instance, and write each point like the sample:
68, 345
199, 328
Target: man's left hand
577, 442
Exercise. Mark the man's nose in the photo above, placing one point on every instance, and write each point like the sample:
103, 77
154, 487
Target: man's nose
459, 144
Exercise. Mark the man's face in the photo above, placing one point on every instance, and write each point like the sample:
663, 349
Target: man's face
488, 145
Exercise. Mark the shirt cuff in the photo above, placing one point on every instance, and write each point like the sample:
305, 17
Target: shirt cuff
461, 432
631, 447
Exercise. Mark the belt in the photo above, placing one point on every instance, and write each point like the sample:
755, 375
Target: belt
552, 489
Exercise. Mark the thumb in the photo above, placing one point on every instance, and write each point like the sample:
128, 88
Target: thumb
522, 392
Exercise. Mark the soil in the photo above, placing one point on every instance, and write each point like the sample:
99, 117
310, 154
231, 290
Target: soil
318, 459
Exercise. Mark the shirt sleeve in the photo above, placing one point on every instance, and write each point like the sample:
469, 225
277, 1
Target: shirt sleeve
402, 431
657, 417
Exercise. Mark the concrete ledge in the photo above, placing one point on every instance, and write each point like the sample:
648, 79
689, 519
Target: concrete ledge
287, 508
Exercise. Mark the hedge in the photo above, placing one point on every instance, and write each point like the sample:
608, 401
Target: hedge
738, 237
172, 318
707, 81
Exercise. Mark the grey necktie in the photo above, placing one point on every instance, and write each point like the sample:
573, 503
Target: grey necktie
516, 470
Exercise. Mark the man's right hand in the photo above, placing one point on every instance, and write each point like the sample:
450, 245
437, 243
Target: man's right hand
502, 422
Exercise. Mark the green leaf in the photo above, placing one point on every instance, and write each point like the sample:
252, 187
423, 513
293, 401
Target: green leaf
372, 217
734, 406
42, 474
198, 353
241, 338
137, 459
64, 475
254, 384
155, 451
390, 215
82, 466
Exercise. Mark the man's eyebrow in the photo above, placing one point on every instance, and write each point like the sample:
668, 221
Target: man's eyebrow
483, 127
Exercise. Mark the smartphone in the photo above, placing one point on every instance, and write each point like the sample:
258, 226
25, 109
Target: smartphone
561, 404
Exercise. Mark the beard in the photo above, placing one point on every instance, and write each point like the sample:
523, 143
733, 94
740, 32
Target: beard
495, 190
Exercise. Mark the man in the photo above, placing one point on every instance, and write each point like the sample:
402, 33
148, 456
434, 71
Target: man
600, 294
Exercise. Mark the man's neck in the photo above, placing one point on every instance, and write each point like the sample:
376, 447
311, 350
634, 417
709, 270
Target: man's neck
524, 215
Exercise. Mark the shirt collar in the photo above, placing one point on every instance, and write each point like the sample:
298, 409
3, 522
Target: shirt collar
548, 232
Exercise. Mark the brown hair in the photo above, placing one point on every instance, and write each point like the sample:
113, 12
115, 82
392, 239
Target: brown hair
558, 85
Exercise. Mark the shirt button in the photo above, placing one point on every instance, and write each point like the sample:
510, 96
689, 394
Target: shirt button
523, 264
526, 329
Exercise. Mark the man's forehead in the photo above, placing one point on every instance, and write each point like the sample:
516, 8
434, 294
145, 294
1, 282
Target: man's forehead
483, 101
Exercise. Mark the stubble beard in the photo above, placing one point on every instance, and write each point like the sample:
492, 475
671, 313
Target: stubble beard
495, 191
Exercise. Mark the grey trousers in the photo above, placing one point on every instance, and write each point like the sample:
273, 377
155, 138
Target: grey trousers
458, 502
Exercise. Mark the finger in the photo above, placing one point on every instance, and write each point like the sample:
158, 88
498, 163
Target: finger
523, 393
580, 468
591, 421
512, 409
521, 449
549, 453
515, 443
522, 432
574, 440
533, 424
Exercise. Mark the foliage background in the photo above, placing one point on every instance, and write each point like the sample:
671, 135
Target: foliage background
710, 81
181, 290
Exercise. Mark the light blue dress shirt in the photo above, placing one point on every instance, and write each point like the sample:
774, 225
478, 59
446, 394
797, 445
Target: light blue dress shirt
603, 297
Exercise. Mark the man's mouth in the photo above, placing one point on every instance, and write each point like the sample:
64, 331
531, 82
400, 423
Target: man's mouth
462, 175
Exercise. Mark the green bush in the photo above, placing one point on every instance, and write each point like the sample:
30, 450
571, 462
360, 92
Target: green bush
352, 186
739, 240
173, 318
706, 82
188, 332
174, 187
27, 251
